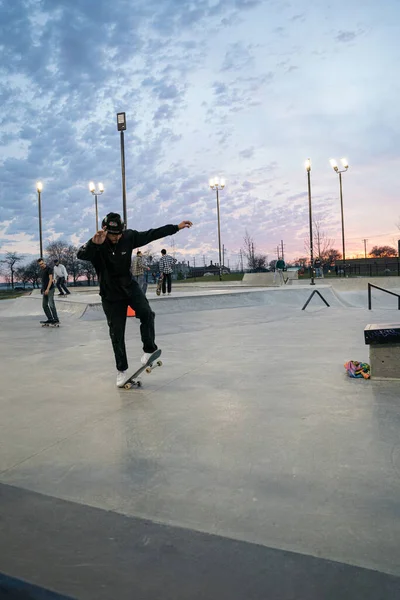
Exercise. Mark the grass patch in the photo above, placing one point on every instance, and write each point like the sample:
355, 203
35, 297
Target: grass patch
9, 294
213, 278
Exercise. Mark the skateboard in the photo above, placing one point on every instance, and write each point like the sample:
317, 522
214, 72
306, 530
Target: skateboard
151, 364
50, 324
159, 284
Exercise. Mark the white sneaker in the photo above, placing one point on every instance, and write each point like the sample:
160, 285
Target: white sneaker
122, 376
145, 357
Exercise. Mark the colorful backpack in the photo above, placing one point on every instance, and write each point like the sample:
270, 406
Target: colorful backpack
357, 369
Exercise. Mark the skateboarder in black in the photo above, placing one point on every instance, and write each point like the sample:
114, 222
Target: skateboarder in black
49, 306
110, 252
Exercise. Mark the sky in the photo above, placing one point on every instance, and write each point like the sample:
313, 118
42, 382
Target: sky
242, 89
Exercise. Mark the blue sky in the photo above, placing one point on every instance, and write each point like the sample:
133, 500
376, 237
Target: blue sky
244, 89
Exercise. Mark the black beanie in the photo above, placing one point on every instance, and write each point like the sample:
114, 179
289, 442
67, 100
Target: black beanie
113, 223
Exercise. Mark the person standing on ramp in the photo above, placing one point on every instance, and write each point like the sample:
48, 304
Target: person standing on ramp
166, 269
48, 303
110, 252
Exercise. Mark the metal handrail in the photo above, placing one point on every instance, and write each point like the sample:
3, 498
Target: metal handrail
309, 300
371, 285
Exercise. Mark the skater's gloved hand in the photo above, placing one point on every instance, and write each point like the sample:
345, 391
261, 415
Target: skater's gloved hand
99, 237
185, 224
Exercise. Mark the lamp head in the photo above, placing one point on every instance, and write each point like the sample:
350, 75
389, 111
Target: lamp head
39, 186
345, 163
333, 164
307, 165
121, 121
101, 188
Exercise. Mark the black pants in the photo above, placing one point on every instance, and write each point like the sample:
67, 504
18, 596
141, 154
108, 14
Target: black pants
116, 313
61, 286
166, 282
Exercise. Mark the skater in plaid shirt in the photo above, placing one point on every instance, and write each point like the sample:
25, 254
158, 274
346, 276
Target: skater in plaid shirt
166, 267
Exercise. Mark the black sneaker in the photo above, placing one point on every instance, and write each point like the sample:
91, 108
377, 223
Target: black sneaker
48, 322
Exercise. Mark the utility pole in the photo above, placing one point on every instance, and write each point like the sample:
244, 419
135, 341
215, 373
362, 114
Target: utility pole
365, 248
282, 254
277, 251
223, 255
241, 261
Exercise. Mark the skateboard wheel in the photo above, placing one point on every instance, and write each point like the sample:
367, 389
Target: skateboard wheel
159, 363
128, 386
148, 370
139, 383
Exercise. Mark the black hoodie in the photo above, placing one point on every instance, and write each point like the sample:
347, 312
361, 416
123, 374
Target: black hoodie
113, 261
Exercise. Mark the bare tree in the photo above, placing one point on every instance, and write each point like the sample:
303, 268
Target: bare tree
320, 240
22, 275
383, 251
57, 250
73, 265
88, 270
9, 262
332, 255
30, 273
254, 261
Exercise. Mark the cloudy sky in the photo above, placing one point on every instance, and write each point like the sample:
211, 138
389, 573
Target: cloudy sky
244, 89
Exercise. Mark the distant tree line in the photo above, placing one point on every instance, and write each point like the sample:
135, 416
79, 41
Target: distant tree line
30, 274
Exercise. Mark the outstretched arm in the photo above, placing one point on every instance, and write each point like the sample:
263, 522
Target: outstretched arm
141, 238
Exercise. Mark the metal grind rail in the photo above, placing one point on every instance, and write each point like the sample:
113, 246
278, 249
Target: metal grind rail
310, 298
371, 285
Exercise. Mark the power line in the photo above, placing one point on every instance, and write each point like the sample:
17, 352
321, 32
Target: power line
377, 235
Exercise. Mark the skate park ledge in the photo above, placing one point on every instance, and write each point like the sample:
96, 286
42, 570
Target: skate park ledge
384, 350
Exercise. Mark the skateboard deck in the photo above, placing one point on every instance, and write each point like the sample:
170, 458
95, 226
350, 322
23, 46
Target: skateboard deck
151, 364
50, 324
159, 284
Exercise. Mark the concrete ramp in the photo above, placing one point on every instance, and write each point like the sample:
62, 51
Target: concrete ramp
21, 307
32, 306
279, 297
88, 306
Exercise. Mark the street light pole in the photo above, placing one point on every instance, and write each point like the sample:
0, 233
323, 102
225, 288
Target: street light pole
39, 187
218, 184
308, 169
121, 126
339, 172
96, 192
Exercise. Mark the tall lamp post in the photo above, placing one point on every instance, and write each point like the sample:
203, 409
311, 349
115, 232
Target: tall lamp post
121, 126
39, 187
335, 167
308, 169
218, 184
96, 192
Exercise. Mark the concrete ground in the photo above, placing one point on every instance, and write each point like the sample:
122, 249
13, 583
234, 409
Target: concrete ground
248, 466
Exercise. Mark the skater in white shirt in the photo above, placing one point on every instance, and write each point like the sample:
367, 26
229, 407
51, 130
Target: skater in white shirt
61, 276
